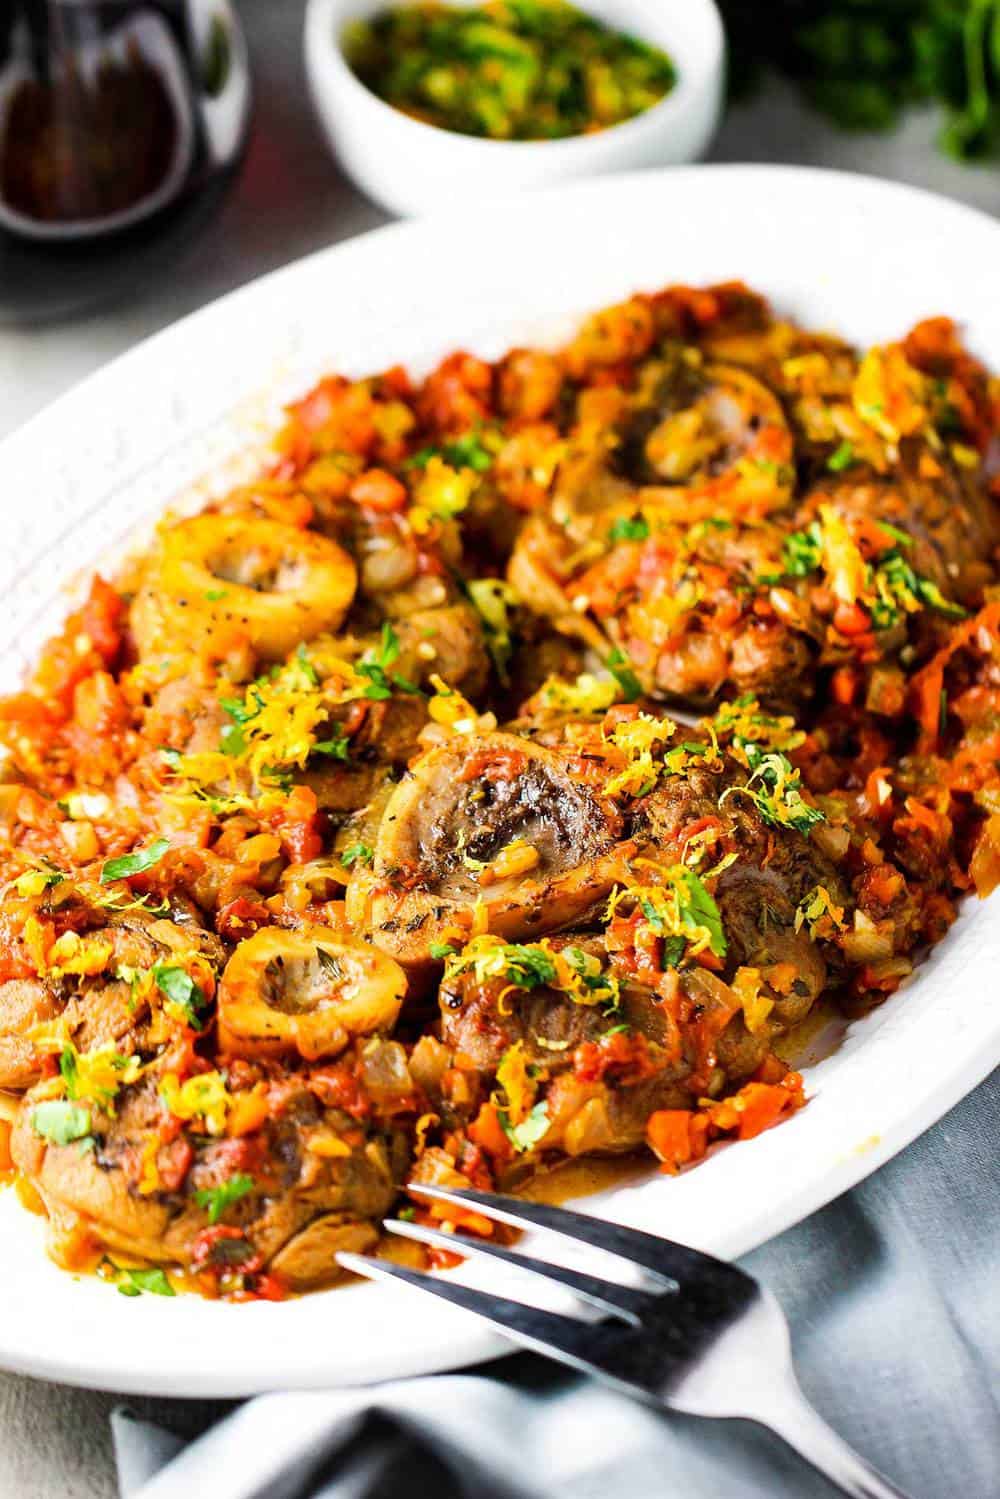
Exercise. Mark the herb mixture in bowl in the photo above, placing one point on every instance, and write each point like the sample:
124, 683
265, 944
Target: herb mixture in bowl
514, 70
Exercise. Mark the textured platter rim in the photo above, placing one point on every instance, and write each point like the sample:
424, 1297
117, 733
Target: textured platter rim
108, 456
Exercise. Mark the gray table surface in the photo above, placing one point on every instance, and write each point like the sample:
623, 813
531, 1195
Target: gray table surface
290, 199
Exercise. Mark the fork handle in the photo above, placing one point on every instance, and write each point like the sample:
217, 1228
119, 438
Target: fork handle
790, 1415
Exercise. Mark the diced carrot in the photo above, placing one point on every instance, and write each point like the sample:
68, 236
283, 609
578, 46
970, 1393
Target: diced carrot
473, 1223
844, 685
442, 1259
671, 1137
757, 1106
376, 489
985, 863
248, 1112
486, 1131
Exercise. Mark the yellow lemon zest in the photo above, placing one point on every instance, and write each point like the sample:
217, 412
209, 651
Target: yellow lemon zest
636, 738
514, 1078
756, 1006
819, 910
587, 694
149, 1174
204, 1096
845, 567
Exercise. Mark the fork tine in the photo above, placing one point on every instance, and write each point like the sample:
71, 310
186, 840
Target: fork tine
557, 1337
618, 1301
663, 1262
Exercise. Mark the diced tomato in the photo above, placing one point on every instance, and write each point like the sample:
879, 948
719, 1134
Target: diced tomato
27, 709
620, 1055
851, 619
376, 489
338, 1086
442, 1259
298, 822
249, 1110
173, 1163
456, 395
605, 584
494, 765
263, 1286
221, 1245
757, 1106
101, 618
241, 918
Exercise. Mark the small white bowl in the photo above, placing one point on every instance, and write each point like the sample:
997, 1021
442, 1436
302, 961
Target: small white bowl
413, 168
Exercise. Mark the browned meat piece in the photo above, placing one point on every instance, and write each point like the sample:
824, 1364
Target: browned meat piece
952, 524
24, 1003
489, 817
693, 425
97, 1008
446, 641
319, 1179
602, 1067
547, 1024
759, 892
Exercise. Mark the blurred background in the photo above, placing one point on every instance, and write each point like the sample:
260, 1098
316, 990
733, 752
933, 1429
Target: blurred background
204, 164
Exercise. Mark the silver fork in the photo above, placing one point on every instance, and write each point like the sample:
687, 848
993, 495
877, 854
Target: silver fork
688, 1332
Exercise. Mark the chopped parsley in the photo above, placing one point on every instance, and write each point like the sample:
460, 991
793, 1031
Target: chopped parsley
679, 909
337, 747
492, 599
530, 965
598, 984
61, 1122
802, 551
744, 722
521, 964
442, 950
620, 667
218, 1199
129, 864
841, 459
466, 451
329, 963
376, 668
774, 789
628, 528
177, 985
899, 590
308, 670
232, 740
119, 900
526, 1135
693, 909
129, 1282
516, 71
357, 853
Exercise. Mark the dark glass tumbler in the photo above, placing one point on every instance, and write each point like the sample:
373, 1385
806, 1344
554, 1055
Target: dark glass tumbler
114, 116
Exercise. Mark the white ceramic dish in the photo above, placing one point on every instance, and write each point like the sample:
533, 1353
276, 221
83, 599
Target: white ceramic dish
412, 168
860, 256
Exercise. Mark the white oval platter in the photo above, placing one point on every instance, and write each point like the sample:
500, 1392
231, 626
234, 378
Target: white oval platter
862, 257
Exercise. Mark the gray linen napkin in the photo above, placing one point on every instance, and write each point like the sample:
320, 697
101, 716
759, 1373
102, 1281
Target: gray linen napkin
893, 1294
